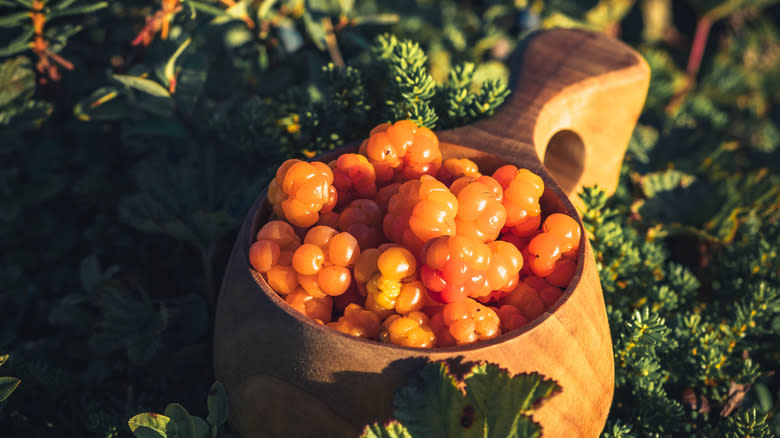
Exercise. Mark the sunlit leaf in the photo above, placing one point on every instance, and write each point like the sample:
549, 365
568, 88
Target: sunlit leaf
392, 429
106, 103
7, 386
155, 423
17, 80
487, 402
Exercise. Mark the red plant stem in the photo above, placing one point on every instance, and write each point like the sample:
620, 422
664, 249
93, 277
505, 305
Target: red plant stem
698, 46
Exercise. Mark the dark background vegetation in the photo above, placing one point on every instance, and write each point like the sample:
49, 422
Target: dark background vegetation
130, 150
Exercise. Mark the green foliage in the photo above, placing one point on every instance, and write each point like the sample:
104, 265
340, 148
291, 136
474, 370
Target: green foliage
176, 422
7, 384
748, 423
18, 111
487, 401
17, 17
693, 351
392, 429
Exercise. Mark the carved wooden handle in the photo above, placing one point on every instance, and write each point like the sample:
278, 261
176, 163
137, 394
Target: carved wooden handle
576, 97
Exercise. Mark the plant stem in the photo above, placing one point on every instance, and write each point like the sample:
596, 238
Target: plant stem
332, 44
697, 47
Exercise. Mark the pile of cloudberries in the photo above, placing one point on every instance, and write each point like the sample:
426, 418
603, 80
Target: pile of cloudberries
393, 244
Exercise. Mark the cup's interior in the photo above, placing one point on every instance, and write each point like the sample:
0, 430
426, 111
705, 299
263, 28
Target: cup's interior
552, 201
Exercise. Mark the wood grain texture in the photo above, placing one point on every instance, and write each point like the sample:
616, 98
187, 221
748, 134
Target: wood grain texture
288, 376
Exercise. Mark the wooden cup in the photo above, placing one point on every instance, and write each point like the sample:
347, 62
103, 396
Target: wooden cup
576, 98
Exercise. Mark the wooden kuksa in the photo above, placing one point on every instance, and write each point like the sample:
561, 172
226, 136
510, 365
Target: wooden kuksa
576, 98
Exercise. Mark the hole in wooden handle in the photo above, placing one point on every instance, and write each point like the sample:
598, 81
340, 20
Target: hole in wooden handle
564, 158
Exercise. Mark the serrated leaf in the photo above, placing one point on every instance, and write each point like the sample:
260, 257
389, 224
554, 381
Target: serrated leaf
491, 403
7, 386
149, 420
431, 404
29, 114
129, 320
218, 405
145, 213
185, 428
17, 80
505, 401
393, 429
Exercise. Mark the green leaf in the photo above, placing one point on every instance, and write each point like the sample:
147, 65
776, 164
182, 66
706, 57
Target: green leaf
207, 8
505, 402
393, 429
29, 114
19, 44
608, 12
431, 404
170, 67
764, 396
148, 432
315, 30
14, 19
147, 94
78, 10
17, 80
218, 405
142, 84
191, 81
202, 428
185, 427
103, 104
64, 4
149, 420
143, 212
491, 403
7, 386
656, 183
3, 358
265, 8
